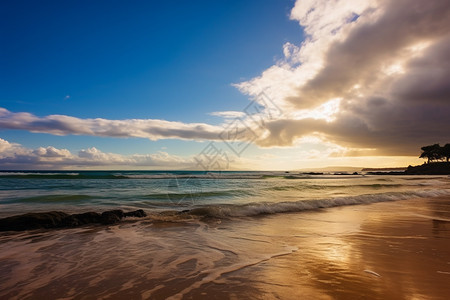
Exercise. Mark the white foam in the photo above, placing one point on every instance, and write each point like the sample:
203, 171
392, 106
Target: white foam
253, 209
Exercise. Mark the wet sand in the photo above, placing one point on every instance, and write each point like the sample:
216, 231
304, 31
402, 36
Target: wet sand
389, 250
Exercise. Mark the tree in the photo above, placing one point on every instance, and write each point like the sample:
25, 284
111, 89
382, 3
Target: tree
431, 152
445, 152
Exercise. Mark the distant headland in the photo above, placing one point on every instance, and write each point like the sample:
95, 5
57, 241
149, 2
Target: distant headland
437, 163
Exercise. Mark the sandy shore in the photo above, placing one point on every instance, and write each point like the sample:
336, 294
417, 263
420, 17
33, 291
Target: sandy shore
395, 250
390, 250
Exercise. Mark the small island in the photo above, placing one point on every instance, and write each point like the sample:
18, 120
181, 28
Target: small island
435, 168
437, 161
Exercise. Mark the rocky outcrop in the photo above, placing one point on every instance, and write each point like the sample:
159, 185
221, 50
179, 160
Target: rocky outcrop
435, 168
57, 219
52, 219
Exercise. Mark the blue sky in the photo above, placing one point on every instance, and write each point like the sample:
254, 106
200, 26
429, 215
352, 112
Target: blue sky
180, 61
173, 60
137, 59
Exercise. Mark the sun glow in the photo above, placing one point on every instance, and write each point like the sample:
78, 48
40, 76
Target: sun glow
326, 111
419, 47
395, 68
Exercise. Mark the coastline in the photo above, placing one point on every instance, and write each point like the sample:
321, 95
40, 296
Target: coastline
389, 250
434, 168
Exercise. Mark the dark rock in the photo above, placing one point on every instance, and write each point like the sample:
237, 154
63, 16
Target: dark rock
52, 219
109, 219
83, 219
71, 221
137, 213
387, 173
111, 216
57, 219
434, 168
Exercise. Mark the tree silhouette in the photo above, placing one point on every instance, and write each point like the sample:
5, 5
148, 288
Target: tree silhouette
431, 152
445, 152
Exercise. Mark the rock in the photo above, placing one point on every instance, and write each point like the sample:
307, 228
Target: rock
52, 219
57, 219
83, 219
434, 168
137, 213
387, 173
111, 216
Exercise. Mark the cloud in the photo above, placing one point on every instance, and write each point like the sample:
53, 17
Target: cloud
386, 63
14, 156
51, 152
370, 77
370, 45
228, 114
144, 128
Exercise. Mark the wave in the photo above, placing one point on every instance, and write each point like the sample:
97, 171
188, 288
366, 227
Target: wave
197, 176
155, 175
59, 175
195, 195
20, 174
132, 175
266, 208
304, 187
230, 211
179, 175
50, 199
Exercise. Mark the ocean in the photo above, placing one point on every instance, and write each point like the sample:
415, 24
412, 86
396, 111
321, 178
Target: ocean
228, 235
219, 194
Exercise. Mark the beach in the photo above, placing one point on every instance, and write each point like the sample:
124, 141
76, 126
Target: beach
397, 248
294, 149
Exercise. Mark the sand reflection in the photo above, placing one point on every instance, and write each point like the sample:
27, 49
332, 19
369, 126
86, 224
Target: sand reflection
396, 250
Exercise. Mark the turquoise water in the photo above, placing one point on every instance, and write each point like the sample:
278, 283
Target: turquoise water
220, 193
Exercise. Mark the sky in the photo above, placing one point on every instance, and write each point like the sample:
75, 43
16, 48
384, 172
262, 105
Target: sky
230, 85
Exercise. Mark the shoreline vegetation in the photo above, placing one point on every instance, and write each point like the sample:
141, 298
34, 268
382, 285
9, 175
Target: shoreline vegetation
437, 163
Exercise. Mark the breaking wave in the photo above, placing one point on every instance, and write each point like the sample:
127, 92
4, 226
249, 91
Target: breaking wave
267, 208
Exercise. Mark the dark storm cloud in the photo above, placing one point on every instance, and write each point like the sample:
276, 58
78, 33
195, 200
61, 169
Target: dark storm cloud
370, 46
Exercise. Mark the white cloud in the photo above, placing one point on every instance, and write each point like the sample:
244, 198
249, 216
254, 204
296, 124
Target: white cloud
369, 75
14, 156
228, 114
51, 152
152, 129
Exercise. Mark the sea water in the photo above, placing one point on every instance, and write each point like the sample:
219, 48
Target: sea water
217, 193
229, 235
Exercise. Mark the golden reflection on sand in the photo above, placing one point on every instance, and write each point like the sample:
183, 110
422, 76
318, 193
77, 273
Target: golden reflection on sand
390, 250
380, 251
